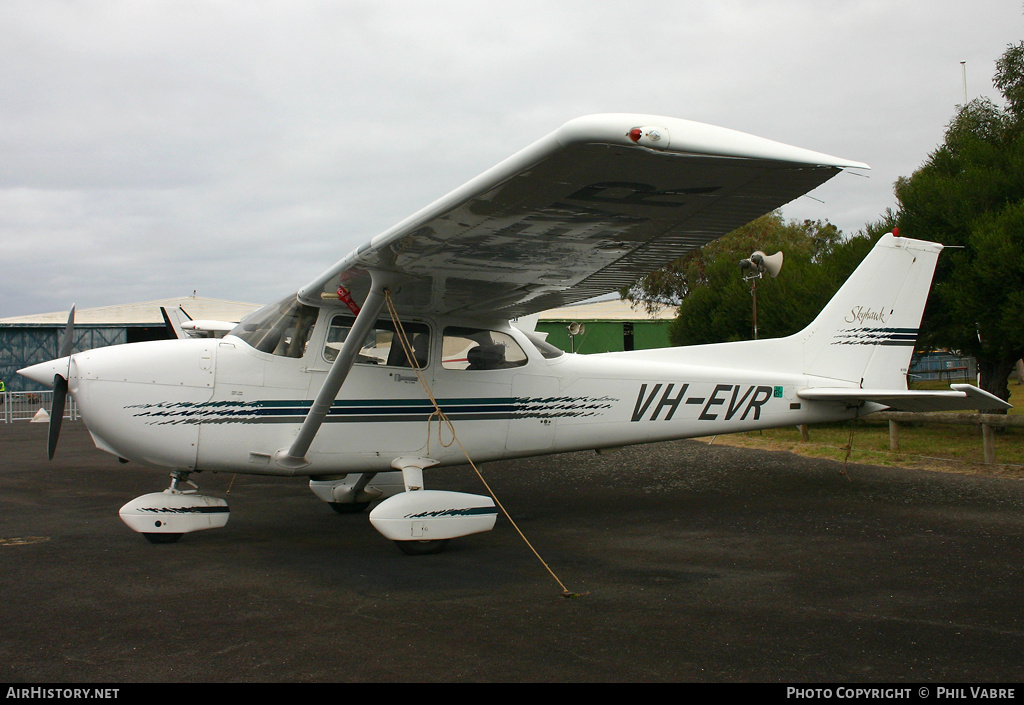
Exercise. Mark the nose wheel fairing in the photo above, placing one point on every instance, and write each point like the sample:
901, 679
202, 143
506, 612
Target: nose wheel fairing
163, 517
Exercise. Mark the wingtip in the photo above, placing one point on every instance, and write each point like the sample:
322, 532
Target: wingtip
973, 392
692, 137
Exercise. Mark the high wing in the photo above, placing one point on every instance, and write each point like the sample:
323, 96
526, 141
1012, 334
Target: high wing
584, 211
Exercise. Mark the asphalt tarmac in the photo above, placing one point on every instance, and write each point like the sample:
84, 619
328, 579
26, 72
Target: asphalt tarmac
688, 562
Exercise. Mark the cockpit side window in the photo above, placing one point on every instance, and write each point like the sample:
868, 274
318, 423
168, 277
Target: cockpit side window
281, 328
382, 345
480, 349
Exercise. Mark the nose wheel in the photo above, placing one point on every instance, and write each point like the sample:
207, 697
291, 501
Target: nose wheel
164, 517
156, 538
177, 478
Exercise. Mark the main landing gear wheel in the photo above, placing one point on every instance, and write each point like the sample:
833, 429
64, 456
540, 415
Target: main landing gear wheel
349, 507
421, 522
422, 548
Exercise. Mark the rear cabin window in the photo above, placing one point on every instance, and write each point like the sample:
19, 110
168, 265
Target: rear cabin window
546, 349
480, 349
382, 345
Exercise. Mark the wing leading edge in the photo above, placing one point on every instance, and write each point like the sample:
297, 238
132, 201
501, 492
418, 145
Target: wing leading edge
586, 210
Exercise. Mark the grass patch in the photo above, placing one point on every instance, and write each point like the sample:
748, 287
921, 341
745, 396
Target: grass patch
942, 447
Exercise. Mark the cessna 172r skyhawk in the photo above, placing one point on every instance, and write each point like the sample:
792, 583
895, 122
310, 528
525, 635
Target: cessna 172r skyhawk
360, 379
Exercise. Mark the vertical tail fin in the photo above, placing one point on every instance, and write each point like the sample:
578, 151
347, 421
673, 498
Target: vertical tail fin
866, 333
863, 338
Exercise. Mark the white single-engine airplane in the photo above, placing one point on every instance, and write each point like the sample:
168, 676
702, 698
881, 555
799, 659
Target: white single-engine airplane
360, 379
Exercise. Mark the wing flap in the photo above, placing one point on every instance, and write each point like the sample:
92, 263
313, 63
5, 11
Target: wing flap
958, 397
582, 212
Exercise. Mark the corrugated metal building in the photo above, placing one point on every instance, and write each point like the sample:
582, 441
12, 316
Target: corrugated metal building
27, 340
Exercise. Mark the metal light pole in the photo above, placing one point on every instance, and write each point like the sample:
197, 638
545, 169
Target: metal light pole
757, 264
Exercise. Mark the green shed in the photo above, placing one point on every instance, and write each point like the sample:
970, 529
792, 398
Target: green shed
606, 326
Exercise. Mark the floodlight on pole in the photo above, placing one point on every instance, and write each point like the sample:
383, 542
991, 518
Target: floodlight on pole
574, 329
755, 267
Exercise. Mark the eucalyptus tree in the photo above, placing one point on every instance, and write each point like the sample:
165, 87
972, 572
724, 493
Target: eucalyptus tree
969, 195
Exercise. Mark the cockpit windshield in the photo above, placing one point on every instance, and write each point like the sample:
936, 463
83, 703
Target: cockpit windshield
282, 328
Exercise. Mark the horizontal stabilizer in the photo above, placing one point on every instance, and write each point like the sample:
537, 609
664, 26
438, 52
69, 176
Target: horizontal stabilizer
959, 397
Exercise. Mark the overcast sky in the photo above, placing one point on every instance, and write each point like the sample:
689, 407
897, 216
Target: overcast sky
239, 148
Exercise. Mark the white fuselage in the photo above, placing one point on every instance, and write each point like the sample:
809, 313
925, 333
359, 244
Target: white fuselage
222, 405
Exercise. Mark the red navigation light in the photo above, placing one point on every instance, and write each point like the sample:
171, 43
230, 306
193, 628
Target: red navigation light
635, 134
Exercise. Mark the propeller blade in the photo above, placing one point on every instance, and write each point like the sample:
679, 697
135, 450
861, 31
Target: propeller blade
60, 385
60, 393
172, 330
67, 340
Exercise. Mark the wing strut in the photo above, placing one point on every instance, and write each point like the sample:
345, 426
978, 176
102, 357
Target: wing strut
295, 456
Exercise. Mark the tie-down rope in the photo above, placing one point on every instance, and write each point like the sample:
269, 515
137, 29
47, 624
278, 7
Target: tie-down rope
444, 420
